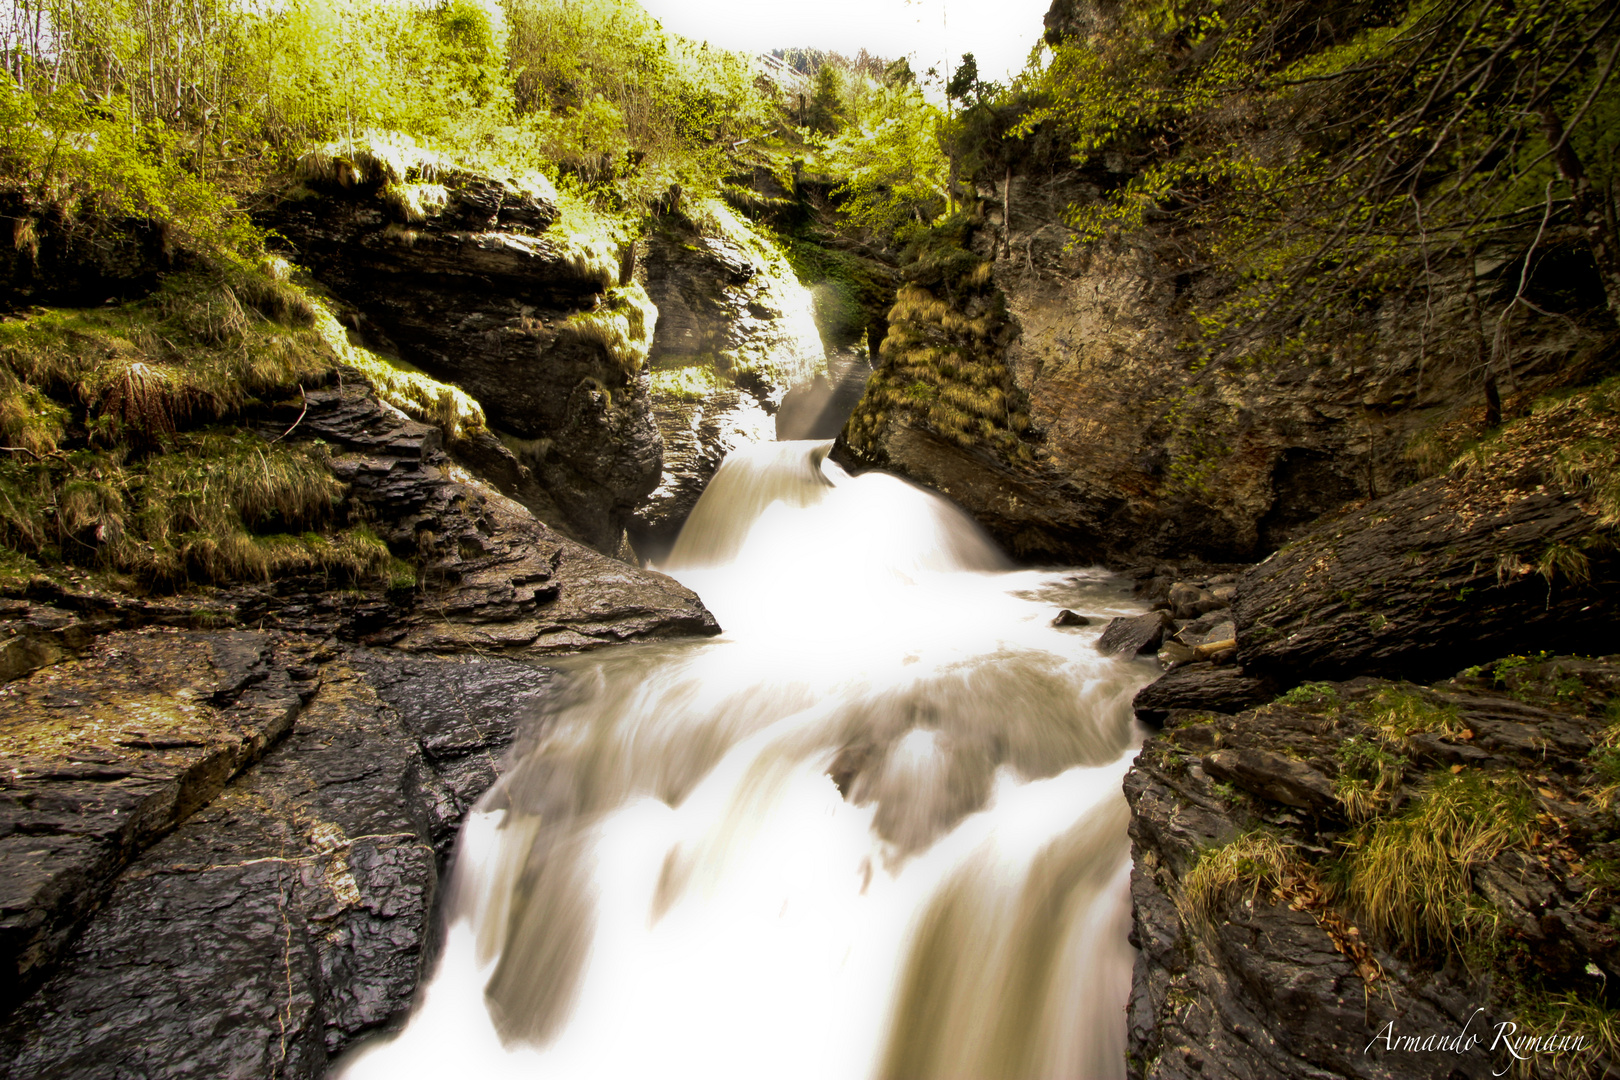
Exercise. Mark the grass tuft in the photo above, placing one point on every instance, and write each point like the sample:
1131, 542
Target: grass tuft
1408, 877
621, 325
1232, 872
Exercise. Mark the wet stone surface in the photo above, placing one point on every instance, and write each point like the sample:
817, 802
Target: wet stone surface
101, 756
294, 912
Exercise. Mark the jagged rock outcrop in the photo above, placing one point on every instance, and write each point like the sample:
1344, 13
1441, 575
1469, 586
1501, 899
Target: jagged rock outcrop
735, 332
1503, 559
493, 577
1510, 551
481, 284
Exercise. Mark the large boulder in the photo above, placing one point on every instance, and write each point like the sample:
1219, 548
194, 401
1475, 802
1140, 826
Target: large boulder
1510, 551
484, 283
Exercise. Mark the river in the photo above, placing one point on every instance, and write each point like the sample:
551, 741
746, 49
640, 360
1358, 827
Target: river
874, 830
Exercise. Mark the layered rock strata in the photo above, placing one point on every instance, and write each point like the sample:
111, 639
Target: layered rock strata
479, 283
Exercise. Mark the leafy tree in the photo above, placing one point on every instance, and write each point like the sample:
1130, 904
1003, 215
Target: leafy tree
1324, 159
826, 111
891, 160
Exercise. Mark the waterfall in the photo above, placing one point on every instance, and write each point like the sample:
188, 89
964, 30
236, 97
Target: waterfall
874, 830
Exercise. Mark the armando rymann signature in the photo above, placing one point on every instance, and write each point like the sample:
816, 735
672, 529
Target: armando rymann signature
1506, 1040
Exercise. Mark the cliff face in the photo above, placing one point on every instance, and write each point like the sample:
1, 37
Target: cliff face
735, 333
1137, 452
479, 283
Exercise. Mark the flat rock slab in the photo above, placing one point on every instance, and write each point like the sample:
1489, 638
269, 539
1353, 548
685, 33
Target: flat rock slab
100, 757
267, 931
1215, 687
294, 913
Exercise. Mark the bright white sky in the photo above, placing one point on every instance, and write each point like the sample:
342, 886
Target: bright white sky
999, 33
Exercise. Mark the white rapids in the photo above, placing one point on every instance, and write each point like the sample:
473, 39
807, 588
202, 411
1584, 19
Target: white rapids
875, 830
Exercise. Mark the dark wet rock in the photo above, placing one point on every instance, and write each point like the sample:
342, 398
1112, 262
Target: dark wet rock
275, 925
1070, 618
1190, 601
478, 293
1130, 635
101, 756
1272, 776
35, 635
1203, 686
1173, 654
294, 912
1385, 587
463, 712
1276, 986
1139, 454
494, 577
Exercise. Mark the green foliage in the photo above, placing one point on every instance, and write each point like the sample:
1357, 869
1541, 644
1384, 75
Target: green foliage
1319, 165
102, 160
826, 112
889, 156
849, 291
606, 93
171, 110
1312, 693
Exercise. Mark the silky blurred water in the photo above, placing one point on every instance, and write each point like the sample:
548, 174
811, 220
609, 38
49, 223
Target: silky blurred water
875, 829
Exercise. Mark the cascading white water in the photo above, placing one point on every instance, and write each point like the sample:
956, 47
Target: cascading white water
873, 830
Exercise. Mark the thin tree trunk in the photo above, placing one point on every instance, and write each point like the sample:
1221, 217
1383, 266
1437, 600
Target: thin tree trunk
1006, 215
1482, 351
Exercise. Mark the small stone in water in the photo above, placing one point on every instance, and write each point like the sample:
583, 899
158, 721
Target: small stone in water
1066, 617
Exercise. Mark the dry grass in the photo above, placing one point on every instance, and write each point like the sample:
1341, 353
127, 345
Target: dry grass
1368, 778
941, 363
1408, 877
1231, 873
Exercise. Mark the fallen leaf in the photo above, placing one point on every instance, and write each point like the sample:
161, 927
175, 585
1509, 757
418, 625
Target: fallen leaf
1546, 794
1455, 769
